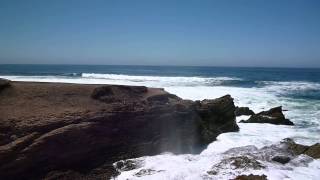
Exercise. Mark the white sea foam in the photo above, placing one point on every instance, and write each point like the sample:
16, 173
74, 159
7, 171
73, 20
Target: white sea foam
293, 87
304, 113
160, 80
153, 81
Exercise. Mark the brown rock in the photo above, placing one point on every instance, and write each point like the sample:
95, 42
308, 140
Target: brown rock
215, 117
314, 151
272, 116
297, 149
78, 131
243, 111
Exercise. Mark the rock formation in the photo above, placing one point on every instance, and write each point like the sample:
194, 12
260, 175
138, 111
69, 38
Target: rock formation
4, 83
243, 111
272, 116
55, 130
297, 149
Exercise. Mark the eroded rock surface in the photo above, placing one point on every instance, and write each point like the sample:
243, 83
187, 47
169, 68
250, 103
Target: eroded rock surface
297, 149
55, 130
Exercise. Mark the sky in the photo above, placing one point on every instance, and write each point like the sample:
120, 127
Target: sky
263, 33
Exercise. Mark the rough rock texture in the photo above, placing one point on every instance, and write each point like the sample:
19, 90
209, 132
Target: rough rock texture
251, 177
272, 116
239, 162
297, 149
243, 111
313, 151
69, 131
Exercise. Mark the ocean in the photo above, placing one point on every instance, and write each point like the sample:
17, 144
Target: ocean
297, 90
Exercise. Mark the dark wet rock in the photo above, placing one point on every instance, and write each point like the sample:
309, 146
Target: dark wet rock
215, 115
213, 171
146, 172
297, 149
239, 162
64, 175
127, 165
313, 151
281, 159
294, 148
4, 83
244, 162
272, 116
79, 131
251, 177
243, 111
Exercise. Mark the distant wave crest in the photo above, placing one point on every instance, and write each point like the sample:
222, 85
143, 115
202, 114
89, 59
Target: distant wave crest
299, 89
164, 80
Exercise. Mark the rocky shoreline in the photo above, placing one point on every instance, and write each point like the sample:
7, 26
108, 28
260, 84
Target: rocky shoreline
241, 160
56, 130
73, 131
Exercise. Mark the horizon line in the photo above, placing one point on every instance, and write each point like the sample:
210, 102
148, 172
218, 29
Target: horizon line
143, 65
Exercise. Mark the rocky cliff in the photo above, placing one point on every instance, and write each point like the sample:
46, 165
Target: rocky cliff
68, 131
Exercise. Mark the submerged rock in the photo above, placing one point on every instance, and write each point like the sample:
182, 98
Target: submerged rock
244, 163
272, 116
297, 149
240, 160
243, 111
127, 165
81, 130
281, 159
146, 172
313, 151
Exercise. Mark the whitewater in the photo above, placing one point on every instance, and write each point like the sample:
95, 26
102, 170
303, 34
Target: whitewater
298, 97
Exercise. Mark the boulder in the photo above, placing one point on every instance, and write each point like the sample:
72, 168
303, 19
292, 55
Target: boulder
4, 83
272, 116
243, 111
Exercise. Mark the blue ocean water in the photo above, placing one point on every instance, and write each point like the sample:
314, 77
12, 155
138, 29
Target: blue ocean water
247, 73
242, 76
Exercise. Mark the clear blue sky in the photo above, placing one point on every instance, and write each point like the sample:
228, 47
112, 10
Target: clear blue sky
281, 33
